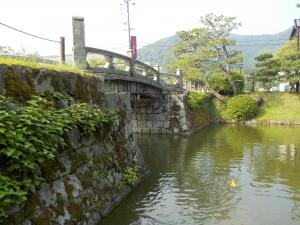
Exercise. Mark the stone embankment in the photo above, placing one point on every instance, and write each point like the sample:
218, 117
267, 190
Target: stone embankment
165, 115
88, 177
90, 174
266, 122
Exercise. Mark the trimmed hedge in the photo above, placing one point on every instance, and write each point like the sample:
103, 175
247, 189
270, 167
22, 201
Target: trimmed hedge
241, 107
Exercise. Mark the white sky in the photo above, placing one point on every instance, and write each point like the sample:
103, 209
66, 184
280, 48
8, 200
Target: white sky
152, 20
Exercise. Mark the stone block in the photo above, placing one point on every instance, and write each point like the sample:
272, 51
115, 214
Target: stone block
45, 195
59, 190
182, 113
156, 130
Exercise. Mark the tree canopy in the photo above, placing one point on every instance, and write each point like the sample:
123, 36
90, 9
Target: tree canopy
283, 66
204, 51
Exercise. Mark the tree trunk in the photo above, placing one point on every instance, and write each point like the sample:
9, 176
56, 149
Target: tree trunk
291, 87
229, 77
215, 93
297, 86
218, 96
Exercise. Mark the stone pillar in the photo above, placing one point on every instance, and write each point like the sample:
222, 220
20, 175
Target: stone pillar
131, 62
79, 53
179, 73
157, 67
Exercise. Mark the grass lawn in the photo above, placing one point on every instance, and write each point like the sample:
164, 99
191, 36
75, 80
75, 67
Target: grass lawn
37, 65
279, 106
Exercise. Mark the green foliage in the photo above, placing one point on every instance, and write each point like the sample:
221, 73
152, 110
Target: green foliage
268, 69
208, 50
89, 117
96, 62
289, 59
131, 175
37, 65
241, 107
189, 64
194, 99
220, 83
160, 53
30, 134
283, 66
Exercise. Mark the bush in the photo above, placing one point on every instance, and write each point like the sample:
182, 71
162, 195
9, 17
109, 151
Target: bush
222, 85
194, 99
241, 107
131, 175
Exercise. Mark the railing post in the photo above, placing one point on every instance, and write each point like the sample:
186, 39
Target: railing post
157, 67
179, 73
131, 63
79, 52
62, 50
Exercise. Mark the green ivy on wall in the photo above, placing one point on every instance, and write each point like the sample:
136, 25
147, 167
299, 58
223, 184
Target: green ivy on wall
30, 134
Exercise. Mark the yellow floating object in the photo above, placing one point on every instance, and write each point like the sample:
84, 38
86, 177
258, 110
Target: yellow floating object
233, 184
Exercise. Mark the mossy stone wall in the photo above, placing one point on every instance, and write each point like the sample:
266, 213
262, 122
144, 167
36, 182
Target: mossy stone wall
87, 178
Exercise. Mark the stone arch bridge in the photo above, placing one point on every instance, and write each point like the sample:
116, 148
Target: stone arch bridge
157, 99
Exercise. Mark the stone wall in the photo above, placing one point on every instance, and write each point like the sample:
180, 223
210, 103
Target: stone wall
165, 114
87, 179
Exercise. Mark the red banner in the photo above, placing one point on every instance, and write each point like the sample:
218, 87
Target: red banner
133, 46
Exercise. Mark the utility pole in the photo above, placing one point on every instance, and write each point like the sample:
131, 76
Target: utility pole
127, 5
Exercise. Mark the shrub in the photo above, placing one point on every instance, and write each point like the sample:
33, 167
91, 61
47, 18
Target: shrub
241, 107
222, 85
131, 175
194, 99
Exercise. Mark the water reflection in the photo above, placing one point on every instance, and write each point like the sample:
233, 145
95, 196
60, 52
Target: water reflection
189, 183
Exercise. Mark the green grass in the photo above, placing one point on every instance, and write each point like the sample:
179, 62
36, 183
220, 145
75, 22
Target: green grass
37, 65
279, 106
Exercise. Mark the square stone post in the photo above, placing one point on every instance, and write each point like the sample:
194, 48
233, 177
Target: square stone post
179, 73
157, 67
79, 52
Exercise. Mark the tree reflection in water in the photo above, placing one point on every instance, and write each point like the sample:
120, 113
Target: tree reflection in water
190, 176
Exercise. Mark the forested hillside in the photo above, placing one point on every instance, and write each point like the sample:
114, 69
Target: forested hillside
161, 53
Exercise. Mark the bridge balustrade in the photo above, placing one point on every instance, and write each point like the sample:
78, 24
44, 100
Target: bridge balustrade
103, 61
117, 66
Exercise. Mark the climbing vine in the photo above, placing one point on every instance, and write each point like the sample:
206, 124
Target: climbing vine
30, 134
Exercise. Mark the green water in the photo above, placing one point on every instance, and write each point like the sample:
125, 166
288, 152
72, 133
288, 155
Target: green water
190, 179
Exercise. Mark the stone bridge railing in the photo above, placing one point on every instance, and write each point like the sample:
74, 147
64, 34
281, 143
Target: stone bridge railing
111, 63
102, 61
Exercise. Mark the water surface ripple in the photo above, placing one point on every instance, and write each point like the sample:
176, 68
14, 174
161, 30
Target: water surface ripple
190, 179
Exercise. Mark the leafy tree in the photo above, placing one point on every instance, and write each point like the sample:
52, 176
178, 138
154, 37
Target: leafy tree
268, 68
207, 50
219, 82
289, 59
283, 66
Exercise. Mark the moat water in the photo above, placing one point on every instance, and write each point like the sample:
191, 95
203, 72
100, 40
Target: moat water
190, 179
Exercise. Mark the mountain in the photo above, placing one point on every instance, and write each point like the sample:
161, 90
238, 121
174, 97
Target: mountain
160, 52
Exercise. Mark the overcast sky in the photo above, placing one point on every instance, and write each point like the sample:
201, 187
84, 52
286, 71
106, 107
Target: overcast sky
152, 20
